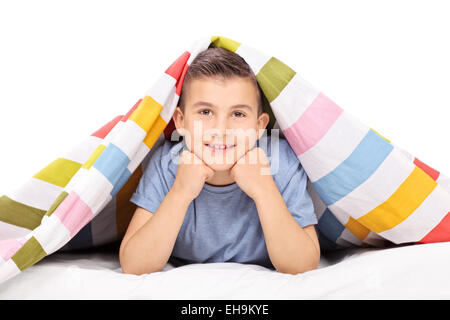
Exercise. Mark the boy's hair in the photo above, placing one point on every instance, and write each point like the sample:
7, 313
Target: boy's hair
219, 62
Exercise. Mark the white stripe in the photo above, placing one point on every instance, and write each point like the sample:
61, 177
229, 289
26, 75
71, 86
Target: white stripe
138, 157
444, 182
75, 180
319, 205
83, 151
405, 153
129, 139
340, 141
340, 215
8, 270
114, 131
94, 189
255, 58
295, 98
347, 238
427, 216
200, 45
51, 234
392, 172
8, 231
375, 240
170, 106
162, 89
37, 193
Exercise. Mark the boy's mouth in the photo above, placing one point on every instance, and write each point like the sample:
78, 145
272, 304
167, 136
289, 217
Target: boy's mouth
219, 147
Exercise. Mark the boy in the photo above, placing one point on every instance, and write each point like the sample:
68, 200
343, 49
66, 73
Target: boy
214, 197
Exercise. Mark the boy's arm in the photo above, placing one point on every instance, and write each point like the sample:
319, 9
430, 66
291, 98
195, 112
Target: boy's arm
292, 249
149, 240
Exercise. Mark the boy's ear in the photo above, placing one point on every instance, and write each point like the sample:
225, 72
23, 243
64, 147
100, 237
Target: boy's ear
178, 119
263, 121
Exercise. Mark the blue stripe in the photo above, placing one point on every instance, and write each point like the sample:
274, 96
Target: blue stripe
112, 163
121, 182
330, 226
83, 239
353, 171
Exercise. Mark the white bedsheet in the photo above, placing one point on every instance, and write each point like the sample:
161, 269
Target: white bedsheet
409, 272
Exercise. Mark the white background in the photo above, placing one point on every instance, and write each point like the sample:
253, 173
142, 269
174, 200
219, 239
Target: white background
66, 68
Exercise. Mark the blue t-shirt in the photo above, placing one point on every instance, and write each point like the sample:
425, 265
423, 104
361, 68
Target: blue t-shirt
222, 223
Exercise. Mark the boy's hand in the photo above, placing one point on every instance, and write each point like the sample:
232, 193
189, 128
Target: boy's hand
252, 173
192, 173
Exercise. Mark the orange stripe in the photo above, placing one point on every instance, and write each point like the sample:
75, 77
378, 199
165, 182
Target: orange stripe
401, 204
146, 113
155, 132
357, 229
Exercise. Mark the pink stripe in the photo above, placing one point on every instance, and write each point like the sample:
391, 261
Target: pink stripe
74, 213
9, 247
313, 124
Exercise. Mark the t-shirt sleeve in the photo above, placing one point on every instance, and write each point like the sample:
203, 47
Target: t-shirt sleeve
151, 189
297, 198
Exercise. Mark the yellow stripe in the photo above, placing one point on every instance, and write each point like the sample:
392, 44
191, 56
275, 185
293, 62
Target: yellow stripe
146, 113
94, 156
357, 229
156, 130
59, 172
401, 204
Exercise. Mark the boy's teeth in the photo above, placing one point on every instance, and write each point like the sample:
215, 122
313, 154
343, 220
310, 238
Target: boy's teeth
218, 146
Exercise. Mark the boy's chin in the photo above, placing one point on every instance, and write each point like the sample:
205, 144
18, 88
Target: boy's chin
220, 166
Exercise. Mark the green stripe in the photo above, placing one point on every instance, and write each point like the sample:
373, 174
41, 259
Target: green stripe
19, 214
59, 172
273, 78
56, 203
30, 253
226, 43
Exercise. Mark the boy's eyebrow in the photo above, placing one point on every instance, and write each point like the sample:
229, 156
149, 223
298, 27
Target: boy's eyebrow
208, 104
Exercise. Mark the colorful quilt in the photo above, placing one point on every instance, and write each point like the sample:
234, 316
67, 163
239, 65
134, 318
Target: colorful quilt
366, 190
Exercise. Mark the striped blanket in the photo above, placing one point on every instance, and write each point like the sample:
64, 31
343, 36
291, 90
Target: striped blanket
366, 190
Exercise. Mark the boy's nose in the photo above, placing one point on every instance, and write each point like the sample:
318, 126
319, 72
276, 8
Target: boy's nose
220, 126
219, 129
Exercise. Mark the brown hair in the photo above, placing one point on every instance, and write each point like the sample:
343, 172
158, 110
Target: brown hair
219, 62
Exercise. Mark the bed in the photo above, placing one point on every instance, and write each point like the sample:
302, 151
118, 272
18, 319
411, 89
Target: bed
406, 272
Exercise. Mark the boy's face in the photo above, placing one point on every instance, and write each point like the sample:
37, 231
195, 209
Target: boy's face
220, 122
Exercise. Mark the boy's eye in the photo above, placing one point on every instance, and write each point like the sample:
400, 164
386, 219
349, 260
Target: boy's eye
205, 112
239, 114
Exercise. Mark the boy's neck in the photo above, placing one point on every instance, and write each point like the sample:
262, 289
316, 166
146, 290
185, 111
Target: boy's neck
220, 178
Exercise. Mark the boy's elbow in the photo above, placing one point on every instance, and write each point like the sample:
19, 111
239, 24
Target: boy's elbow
302, 267
130, 267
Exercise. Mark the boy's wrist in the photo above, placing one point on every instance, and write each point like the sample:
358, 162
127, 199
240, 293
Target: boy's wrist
265, 189
180, 194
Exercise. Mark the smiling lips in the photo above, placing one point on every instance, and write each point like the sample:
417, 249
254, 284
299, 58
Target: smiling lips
219, 147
